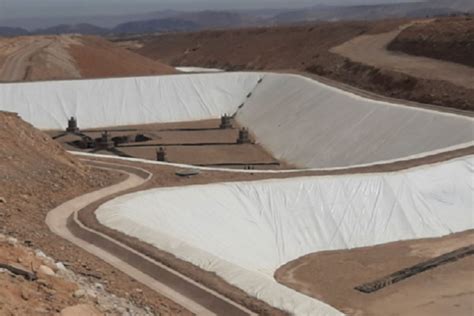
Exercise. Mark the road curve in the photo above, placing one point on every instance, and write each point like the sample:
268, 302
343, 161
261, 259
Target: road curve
372, 50
195, 297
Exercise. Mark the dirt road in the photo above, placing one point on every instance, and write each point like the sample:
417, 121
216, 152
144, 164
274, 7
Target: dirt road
15, 67
185, 291
372, 50
28, 58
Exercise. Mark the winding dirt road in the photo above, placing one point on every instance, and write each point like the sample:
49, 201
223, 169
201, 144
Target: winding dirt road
195, 297
372, 50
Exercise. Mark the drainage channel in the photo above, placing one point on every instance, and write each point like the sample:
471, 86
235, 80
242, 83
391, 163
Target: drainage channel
239, 164
416, 269
178, 145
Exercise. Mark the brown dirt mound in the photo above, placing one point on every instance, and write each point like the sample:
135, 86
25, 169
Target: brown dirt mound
450, 39
99, 58
30, 58
271, 48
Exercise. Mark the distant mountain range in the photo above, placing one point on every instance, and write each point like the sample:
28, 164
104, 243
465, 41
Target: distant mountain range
375, 12
174, 21
12, 31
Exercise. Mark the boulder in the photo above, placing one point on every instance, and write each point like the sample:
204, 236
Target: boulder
45, 270
80, 310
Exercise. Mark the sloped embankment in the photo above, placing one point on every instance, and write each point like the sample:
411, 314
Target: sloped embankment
35, 175
32, 58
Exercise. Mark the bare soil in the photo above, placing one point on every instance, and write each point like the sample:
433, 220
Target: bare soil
372, 50
19, 296
30, 58
197, 143
36, 175
305, 49
98, 58
450, 39
294, 47
55, 291
331, 277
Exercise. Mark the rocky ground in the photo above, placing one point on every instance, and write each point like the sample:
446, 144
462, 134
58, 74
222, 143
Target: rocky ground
304, 49
36, 175
53, 289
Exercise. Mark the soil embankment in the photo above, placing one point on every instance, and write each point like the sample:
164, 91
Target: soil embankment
372, 50
32, 58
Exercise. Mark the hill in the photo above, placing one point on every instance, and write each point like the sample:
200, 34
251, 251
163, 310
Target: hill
68, 57
366, 12
12, 31
179, 21
154, 26
82, 28
306, 49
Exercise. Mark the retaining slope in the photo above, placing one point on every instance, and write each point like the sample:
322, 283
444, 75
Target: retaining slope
313, 125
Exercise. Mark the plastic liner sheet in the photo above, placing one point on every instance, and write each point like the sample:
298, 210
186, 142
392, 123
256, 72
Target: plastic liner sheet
198, 69
244, 231
313, 125
126, 101
298, 120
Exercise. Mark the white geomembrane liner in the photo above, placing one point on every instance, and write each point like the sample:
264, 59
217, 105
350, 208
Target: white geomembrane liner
313, 125
126, 101
198, 69
244, 231
299, 120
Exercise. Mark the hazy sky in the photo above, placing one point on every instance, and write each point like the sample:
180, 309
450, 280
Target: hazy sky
44, 8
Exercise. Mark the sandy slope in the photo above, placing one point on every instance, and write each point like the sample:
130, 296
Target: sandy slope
69, 57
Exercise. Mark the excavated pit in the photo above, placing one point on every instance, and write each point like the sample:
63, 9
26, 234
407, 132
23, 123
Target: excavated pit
294, 121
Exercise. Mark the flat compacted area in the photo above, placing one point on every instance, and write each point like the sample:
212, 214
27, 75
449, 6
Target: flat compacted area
201, 143
332, 276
